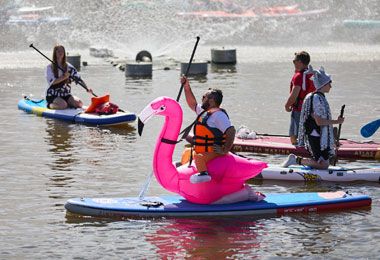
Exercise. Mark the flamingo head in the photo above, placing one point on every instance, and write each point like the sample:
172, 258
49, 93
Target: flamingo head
164, 106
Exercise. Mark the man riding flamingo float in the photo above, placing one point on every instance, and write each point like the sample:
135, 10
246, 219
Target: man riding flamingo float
228, 172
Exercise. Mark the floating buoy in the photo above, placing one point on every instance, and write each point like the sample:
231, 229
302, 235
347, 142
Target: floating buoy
122, 67
74, 59
223, 56
144, 56
196, 68
116, 62
138, 69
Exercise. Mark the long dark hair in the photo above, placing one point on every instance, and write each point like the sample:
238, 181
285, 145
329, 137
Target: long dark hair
64, 64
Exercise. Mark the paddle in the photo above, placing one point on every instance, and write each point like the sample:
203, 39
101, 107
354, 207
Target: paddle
370, 128
338, 136
188, 68
141, 124
145, 187
76, 80
186, 131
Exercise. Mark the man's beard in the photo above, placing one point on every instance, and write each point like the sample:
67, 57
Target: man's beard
205, 106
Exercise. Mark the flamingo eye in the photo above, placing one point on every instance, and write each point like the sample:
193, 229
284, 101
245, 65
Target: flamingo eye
162, 108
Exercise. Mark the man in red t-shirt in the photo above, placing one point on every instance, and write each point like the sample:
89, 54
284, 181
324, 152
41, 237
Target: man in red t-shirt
300, 86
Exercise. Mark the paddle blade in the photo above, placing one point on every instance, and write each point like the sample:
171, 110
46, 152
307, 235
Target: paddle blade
370, 128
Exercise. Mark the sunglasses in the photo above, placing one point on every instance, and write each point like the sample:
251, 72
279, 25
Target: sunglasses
207, 97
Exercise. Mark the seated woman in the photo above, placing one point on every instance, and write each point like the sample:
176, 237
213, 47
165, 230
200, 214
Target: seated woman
58, 93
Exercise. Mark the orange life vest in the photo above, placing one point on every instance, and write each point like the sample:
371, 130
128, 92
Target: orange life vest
205, 136
102, 106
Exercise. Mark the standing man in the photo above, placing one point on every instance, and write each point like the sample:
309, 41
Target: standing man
300, 86
316, 125
213, 132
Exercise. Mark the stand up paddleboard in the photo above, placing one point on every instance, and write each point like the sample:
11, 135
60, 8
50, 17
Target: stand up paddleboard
176, 206
39, 108
333, 173
272, 144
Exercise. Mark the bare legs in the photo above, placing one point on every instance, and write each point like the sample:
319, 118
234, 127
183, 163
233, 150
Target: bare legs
75, 102
292, 159
321, 164
293, 139
60, 103
246, 193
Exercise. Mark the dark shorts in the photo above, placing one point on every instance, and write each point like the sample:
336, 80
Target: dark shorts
315, 146
50, 99
294, 123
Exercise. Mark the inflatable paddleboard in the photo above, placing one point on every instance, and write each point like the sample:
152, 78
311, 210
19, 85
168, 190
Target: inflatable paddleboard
362, 24
272, 144
176, 206
333, 173
39, 108
269, 12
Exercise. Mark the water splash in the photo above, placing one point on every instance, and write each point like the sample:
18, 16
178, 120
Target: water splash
164, 26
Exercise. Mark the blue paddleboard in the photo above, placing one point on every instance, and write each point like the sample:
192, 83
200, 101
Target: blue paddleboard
78, 115
176, 206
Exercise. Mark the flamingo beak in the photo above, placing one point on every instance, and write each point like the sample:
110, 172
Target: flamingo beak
140, 127
144, 116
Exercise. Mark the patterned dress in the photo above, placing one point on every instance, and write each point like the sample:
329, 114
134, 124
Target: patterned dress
322, 109
59, 90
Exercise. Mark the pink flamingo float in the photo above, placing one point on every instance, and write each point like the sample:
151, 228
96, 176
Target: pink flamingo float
228, 172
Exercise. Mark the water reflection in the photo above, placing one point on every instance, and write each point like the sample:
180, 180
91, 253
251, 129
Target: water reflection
313, 234
247, 237
215, 238
104, 145
138, 85
59, 139
81, 149
223, 68
128, 130
197, 78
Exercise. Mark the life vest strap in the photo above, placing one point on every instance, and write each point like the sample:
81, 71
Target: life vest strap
207, 144
208, 138
167, 141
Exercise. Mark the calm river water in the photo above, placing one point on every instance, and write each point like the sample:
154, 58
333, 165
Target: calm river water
44, 162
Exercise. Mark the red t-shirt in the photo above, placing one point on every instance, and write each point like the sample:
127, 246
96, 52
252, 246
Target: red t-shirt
297, 81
